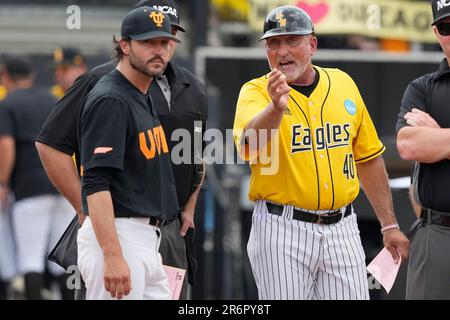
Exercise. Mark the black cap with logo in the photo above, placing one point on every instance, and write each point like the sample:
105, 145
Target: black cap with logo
146, 23
287, 20
169, 7
441, 9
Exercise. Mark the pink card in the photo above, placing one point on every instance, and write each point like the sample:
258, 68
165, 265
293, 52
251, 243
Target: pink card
384, 269
176, 277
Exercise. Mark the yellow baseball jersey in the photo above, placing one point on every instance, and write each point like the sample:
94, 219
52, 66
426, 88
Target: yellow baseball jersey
320, 139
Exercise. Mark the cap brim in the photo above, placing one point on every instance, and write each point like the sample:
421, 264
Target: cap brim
178, 26
153, 35
279, 33
440, 18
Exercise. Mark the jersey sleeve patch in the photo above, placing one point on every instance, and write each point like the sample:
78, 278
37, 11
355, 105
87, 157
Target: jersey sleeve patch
102, 150
350, 106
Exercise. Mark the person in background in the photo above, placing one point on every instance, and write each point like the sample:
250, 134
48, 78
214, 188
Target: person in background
40, 213
69, 65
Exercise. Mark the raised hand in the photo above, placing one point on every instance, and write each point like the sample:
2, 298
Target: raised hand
278, 89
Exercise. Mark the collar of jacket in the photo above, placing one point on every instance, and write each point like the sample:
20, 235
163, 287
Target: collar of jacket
177, 79
444, 69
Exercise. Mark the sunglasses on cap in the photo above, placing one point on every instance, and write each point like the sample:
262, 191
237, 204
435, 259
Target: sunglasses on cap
443, 28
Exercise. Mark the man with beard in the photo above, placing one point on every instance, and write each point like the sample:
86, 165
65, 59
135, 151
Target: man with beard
128, 189
58, 141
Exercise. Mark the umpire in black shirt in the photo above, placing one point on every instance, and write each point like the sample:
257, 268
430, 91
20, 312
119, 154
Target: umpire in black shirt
58, 140
423, 136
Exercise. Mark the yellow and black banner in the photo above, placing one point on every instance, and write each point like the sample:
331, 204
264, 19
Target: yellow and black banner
232, 10
389, 19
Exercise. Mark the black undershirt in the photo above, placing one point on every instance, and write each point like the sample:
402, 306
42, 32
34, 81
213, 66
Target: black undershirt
307, 90
97, 179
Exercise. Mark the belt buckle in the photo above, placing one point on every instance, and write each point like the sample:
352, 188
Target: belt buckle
319, 220
160, 222
328, 215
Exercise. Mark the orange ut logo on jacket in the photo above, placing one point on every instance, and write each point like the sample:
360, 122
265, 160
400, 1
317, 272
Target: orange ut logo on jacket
158, 18
157, 142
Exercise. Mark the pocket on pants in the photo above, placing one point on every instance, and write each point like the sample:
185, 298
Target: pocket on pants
414, 227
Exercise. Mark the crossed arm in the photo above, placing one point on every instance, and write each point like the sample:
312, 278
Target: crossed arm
424, 140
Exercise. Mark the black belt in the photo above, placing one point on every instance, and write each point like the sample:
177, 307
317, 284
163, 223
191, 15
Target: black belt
435, 217
327, 218
158, 222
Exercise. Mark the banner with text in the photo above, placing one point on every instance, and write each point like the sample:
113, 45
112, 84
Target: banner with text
391, 19
231, 10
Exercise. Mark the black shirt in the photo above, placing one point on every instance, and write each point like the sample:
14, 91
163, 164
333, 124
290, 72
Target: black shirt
307, 90
22, 114
189, 104
188, 111
430, 93
60, 129
119, 128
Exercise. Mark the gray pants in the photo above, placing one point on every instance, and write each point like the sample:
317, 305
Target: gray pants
80, 294
173, 251
429, 262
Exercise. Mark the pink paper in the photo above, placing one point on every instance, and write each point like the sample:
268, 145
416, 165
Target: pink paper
176, 277
384, 269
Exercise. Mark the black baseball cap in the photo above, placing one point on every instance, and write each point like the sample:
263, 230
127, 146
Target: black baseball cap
68, 57
169, 7
441, 10
146, 23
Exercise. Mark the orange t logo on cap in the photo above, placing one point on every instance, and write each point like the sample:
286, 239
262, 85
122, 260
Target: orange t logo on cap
158, 18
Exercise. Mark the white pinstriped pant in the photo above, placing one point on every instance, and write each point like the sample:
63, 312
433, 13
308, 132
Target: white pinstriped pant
293, 259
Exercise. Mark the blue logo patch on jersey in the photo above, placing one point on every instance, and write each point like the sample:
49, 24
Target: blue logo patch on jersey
350, 106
